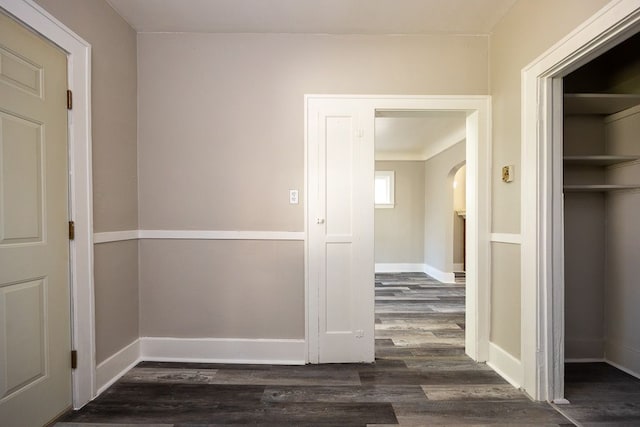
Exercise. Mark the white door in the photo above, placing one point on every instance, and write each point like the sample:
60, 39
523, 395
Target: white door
35, 371
340, 162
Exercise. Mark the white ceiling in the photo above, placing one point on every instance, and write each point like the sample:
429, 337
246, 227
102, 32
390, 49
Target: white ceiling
417, 135
314, 16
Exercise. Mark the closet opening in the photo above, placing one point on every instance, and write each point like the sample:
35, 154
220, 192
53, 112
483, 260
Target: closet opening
601, 232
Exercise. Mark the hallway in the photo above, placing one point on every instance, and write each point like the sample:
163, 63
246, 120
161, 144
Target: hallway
421, 377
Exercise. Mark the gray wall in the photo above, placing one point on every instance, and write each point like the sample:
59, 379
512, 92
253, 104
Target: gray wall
221, 141
601, 245
399, 232
622, 296
115, 194
459, 204
584, 274
584, 237
222, 289
438, 231
527, 30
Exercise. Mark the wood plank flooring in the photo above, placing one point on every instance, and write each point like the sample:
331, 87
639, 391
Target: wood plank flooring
421, 378
601, 395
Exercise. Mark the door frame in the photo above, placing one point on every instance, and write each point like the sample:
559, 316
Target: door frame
478, 157
542, 257
80, 187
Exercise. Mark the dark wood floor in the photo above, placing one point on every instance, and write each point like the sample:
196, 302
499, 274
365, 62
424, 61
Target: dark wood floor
421, 378
601, 395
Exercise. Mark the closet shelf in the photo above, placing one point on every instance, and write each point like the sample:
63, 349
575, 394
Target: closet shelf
598, 187
598, 160
599, 103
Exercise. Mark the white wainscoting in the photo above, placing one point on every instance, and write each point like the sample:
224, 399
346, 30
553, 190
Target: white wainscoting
117, 236
224, 350
505, 364
109, 371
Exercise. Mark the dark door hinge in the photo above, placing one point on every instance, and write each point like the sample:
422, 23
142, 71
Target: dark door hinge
69, 100
74, 359
72, 230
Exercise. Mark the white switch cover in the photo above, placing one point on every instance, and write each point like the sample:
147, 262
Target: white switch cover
293, 197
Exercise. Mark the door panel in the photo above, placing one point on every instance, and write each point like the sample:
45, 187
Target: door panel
23, 304
340, 247
339, 166
35, 342
21, 171
337, 290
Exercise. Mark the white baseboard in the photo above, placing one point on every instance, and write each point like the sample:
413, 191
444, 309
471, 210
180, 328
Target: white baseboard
623, 369
442, 276
583, 360
458, 266
109, 371
203, 350
399, 268
623, 357
224, 350
505, 364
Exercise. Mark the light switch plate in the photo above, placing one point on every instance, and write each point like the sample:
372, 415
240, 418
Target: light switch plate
293, 197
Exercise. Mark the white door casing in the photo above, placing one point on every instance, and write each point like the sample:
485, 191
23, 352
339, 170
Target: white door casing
542, 333
35, 309
80, 186
359, 112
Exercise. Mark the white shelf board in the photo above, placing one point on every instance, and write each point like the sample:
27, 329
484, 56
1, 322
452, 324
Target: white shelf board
599, 160
598, 187
599, 103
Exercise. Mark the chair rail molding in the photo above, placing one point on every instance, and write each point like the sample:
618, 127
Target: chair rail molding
117, 236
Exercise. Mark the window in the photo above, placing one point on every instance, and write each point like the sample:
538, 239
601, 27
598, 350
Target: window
384, 194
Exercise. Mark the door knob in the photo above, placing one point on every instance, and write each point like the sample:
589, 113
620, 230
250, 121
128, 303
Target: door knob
319, 220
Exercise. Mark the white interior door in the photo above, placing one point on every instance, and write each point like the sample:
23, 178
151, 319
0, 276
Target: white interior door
35, 371
340, 162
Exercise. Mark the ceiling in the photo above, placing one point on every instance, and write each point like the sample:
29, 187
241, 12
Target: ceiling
314, 16
417, 135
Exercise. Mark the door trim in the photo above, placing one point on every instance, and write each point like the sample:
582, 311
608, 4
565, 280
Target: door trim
478, 157
542, 256
80, 188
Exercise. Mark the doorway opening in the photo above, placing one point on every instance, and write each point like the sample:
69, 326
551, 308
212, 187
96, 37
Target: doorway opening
601, 179
346, 317
560, 181
419, 232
